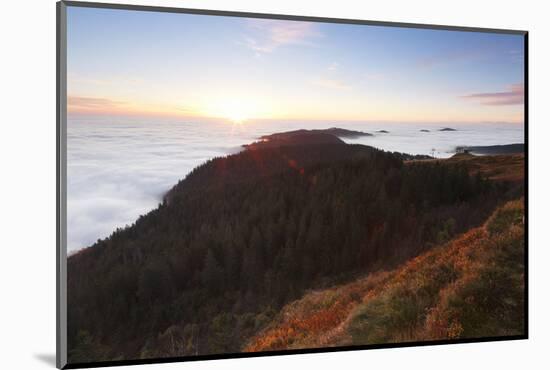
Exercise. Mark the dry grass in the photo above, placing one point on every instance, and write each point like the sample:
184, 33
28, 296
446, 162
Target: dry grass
507, 167
469, 287
315, 320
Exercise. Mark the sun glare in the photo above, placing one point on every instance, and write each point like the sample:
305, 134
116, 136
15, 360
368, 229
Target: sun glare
237, 117
236, 111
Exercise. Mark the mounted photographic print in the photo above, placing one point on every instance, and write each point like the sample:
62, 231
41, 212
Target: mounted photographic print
237, 184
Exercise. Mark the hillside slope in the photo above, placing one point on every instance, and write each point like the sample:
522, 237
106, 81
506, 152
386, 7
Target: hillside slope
472, 286
243, 235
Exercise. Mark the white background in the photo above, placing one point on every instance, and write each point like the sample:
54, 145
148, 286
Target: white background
27, 182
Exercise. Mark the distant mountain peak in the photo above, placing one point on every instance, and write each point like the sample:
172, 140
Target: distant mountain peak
331, 135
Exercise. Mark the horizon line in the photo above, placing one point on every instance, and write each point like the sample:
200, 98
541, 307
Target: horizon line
168, 116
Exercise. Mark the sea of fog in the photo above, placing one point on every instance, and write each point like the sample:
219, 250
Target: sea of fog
119, 168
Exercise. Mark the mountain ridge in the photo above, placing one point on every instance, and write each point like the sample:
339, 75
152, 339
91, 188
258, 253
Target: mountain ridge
302, 137
245, 234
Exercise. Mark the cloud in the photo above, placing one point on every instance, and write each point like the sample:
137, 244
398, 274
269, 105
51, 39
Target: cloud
486, 53
451, 57
119, 168
79, 103
333, 66
270, 35
375, 76
89, 105
76, 81
513, 96
331, 83
329, 78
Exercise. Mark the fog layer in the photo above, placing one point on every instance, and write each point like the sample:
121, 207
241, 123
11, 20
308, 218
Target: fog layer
119, 168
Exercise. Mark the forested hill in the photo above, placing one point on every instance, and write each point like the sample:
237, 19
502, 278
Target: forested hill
243, 235
256, 164
286, 152
470, 287
305, 137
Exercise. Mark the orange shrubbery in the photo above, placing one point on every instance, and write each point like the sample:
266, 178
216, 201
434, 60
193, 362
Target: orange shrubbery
315, 320
297, 328
467, 288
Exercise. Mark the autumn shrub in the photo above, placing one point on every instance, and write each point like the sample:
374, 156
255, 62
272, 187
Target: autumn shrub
511, 213
489, 299
472, 287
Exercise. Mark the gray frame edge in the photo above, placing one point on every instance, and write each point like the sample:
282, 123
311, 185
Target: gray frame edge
290, 17
61, 166
61, 193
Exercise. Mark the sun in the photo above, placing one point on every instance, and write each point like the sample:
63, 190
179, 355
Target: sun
236, 111
237, 116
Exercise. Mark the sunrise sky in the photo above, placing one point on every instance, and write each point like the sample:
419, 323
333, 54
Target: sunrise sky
161, 64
